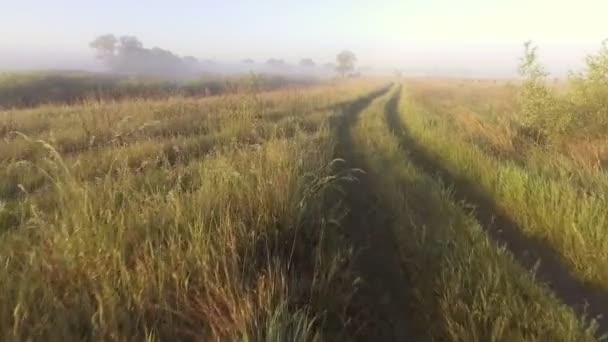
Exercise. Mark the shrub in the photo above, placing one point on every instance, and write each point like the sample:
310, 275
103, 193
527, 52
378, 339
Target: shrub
582, 112
543, 115
589, 93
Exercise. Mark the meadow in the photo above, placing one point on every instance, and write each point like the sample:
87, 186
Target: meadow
363, 209
27, 89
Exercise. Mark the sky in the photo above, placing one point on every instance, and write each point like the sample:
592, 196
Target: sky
476, 36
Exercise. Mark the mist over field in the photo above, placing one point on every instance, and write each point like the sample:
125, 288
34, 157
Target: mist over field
473, 39
466, 60
270, 170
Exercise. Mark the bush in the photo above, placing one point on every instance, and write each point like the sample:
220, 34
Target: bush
589, 94
543, 115
582, 112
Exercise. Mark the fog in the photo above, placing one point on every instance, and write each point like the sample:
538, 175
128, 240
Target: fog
128, 55
469, 38
451, 60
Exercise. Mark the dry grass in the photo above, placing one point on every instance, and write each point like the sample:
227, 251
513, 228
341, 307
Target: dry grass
463, 286
486, 114
192, 219
552, 194
223, 218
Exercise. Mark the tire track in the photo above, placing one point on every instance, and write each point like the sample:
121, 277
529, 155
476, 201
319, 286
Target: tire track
532, 253
381, 300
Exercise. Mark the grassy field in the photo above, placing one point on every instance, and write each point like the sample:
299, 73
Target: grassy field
369, 209
202, 219
555, 194
27, 89
463, 287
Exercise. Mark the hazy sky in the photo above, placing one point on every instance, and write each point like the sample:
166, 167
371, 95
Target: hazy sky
477, 35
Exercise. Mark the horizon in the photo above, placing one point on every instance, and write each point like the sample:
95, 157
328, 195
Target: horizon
473, 37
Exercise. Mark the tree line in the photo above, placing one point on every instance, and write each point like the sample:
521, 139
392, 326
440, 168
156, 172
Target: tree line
127, 54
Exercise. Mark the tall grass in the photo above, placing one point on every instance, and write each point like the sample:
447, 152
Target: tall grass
146, 240
463, 287
143, 133
222, 219
486, 115
27, 89
553, 209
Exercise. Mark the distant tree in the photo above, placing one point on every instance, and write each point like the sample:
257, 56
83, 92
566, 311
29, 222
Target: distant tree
127, 54
130, 44
105, 46
248, 61
307, 62
346, 62
191, 60
275, 62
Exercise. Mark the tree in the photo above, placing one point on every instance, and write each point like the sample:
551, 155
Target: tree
275, 62
346, 62
307, 62
248, 61
127, 54
105, 46
130, 44
191, 60
589, 93
542, 114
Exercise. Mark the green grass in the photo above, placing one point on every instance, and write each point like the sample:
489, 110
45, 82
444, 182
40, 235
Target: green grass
27, 89
219, 232
552, 208
463, 286
228, 218
486, 115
